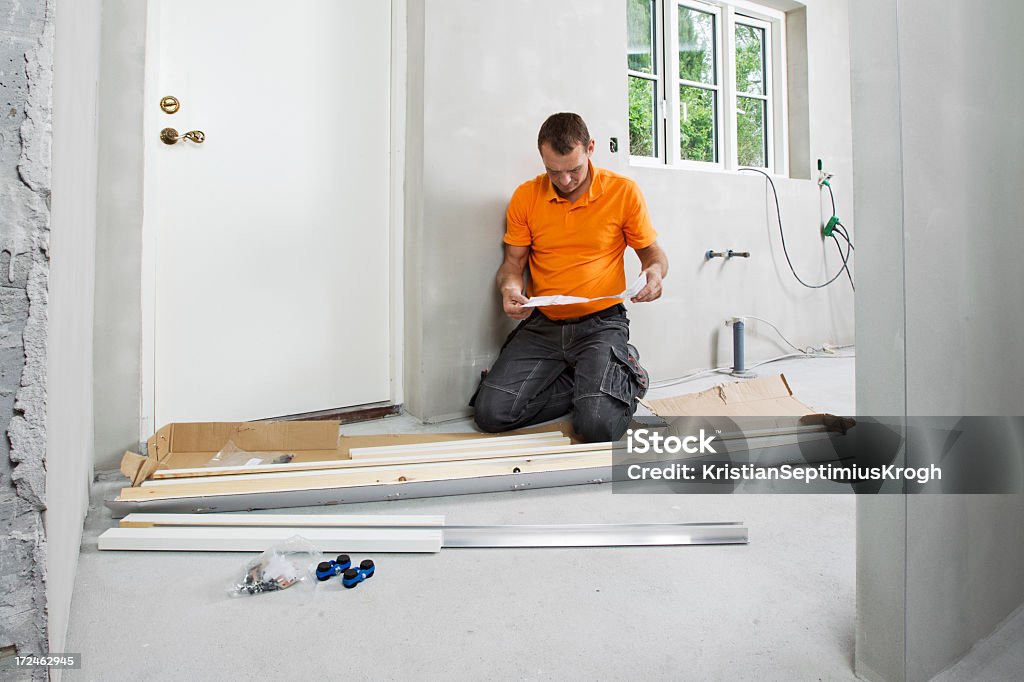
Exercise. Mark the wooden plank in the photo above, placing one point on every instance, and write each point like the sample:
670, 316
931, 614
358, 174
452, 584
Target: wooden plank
271, 520
441, 450
328, 540
441, 456
348, 495
178, 459
396, 473
434, 471
527, 448
552, 453
479, 443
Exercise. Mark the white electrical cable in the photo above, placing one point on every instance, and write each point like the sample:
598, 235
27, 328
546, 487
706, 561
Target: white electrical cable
777, 331
809, 352
665, 383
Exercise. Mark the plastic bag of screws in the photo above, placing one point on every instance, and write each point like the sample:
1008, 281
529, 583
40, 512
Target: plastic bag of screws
233, 456
285, 564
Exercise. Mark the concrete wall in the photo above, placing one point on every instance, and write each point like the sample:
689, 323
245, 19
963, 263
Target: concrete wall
26, 79
881, 388
491, 73
956, 166
49, 66
963, 172
69, 418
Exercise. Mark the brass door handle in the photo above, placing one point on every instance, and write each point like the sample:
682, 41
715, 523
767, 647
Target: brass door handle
171, 136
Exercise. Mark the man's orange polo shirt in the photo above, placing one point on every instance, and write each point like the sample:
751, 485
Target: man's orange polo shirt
576, 249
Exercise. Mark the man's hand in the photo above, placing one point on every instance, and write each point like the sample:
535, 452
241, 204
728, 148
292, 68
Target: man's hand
652, 291
655, 265
512, 301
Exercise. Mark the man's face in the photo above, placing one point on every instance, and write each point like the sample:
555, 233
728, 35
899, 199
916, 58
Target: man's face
569, 171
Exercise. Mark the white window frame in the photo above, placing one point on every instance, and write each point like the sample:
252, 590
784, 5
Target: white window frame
658, 78
768, 97
728, 14
675, 106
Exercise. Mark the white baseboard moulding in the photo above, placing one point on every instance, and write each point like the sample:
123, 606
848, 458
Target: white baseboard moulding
425, 534
258, 539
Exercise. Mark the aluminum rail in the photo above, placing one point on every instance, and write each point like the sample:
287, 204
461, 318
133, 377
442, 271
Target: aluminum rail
596, 535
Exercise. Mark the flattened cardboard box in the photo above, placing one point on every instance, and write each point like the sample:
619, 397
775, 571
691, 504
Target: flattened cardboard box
762, 405
763, 397
190, 445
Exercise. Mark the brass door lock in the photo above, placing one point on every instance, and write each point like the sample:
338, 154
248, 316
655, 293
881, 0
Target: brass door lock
170, 104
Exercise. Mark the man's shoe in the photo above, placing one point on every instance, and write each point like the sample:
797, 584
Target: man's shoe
642, 376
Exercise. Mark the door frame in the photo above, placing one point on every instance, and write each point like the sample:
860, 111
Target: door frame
397, 104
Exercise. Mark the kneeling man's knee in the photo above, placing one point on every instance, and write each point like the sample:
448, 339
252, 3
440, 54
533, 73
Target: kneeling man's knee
600, 418
491, 411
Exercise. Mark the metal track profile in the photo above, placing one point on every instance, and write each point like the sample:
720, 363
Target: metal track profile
596, 535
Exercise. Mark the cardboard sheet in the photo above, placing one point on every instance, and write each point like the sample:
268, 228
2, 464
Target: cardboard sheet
762, 397
760, 418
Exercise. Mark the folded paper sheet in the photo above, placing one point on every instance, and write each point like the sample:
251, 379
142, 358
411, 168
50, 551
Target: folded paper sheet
638, 284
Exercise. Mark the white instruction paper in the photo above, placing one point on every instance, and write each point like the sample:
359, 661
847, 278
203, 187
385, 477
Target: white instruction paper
632, 290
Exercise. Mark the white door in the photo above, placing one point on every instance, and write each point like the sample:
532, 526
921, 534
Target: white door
267, 245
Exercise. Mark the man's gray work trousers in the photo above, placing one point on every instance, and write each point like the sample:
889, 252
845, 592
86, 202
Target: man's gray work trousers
547, 368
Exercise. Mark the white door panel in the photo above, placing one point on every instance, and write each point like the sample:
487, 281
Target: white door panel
271, 238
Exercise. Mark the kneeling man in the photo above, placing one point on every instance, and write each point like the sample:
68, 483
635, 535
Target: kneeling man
571, 225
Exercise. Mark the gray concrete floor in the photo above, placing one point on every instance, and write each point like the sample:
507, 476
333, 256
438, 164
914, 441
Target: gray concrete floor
780, 608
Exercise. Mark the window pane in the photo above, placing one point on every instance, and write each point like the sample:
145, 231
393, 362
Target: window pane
751, 134
697, 46
642, 135
640, 38
750, 74
697, 135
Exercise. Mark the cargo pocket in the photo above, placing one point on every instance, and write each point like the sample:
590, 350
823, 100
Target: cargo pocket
620, 380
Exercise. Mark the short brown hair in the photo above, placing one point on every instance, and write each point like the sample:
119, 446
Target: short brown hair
563, 132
